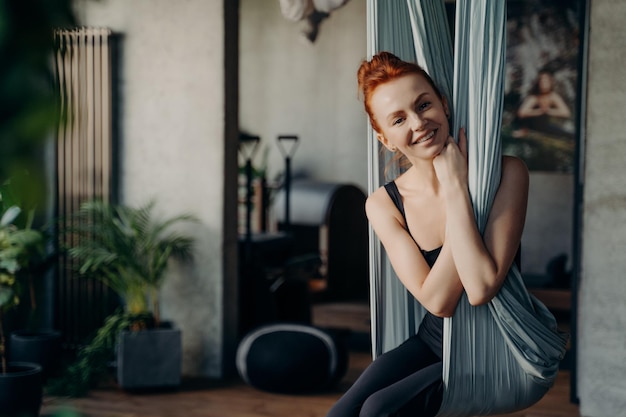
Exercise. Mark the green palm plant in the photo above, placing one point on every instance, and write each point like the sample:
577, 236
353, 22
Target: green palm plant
128, 249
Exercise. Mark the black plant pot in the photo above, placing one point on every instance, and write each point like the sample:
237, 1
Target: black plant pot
42, 347
21, 390
149, 359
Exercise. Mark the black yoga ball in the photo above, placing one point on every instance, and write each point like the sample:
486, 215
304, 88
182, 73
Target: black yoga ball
291, 358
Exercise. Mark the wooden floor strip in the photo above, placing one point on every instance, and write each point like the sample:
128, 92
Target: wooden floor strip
202, 398
233, 398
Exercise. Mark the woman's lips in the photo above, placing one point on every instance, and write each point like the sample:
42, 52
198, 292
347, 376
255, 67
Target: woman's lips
425, 138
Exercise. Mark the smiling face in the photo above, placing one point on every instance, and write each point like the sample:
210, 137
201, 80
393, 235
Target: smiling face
411, 116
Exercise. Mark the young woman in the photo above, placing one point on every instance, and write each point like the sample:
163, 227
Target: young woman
543, 110
425, 221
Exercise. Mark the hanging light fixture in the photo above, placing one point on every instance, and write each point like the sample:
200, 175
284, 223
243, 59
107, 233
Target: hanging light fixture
310, 12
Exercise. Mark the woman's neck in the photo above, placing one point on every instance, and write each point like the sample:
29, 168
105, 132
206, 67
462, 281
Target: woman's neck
421, 177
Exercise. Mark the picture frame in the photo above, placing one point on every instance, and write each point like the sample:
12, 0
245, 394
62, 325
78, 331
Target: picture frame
541, 98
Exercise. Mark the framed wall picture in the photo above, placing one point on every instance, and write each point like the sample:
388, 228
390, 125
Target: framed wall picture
541, 83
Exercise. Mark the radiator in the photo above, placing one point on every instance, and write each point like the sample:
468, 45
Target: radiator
84, 167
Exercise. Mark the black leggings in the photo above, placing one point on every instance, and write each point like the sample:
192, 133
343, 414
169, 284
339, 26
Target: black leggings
405, 381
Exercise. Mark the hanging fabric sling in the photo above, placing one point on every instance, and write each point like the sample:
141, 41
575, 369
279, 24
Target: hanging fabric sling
502, 356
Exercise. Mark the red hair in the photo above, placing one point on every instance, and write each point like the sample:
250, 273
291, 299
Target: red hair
382, 68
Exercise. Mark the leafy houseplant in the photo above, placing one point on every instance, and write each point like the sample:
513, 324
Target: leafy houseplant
20, 382
128, 249
29, 114
18, 246
32, 340
27, 256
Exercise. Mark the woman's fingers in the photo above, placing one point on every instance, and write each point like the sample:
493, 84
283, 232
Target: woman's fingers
449, 141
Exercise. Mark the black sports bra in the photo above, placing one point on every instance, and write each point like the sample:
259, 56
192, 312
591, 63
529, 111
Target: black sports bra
431, 327
392, 190
429, 255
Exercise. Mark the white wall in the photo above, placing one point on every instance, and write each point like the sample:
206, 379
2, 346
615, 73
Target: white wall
172, 146
291, 86
602, 295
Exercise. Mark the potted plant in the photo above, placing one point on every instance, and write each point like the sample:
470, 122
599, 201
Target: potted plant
30, 113
128, 249
30, 341
20, 382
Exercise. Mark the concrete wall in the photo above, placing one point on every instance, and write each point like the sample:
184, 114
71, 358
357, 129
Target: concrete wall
174, 148
602, 295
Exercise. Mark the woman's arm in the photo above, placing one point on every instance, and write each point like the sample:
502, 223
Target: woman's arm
437, 289
529, 108
557, 107
483, 261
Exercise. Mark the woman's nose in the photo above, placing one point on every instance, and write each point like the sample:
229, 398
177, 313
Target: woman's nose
417, 122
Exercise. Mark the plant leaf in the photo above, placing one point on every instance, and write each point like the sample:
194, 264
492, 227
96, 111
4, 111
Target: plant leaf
10, 215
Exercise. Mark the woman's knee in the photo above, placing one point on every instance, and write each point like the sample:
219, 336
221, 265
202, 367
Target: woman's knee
376, 406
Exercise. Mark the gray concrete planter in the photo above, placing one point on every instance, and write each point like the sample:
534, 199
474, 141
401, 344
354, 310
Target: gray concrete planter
149, 359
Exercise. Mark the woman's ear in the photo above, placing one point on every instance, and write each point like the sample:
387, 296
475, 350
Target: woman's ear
381, 138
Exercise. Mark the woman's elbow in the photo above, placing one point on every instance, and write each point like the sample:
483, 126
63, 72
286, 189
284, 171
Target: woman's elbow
449, 312
483, 286
482, 295
442, 309
479, 299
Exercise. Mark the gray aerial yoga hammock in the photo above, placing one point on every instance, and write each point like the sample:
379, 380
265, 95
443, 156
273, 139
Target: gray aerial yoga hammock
502, 356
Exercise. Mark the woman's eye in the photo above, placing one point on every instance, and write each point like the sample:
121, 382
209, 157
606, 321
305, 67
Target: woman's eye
423, 106
397, 121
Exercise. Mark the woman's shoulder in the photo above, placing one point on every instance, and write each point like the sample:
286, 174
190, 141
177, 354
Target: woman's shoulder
510, 162
382, 212
514, 170
378, 197
378, 203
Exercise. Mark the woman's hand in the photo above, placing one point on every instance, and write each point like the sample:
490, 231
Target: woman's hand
451, 163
